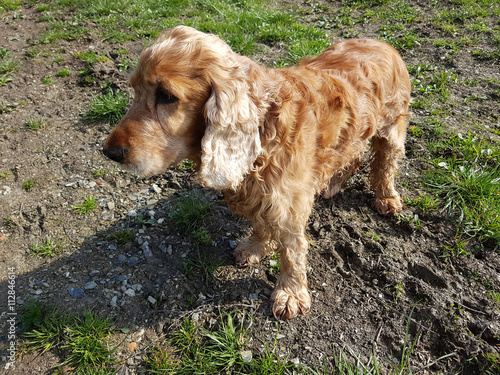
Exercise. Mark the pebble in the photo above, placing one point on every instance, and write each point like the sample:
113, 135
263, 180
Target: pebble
112, 247
146, 250
75, 292
232, 244
113, 301
90, 285
111, 205
156, 189
122, 258
130, 292
246, 356
152, 300
253, 296
133, 261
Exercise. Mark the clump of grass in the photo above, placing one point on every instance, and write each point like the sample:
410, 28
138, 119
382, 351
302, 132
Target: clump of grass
47, 249
108, 107
83, 341
86, 206
8, 64
28, 184
99, 173
35, 123
202, 264
124, 236
190, 212
63, 73
47, 80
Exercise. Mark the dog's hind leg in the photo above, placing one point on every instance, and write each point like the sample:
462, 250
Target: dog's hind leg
339, 179
251, 250
388, 149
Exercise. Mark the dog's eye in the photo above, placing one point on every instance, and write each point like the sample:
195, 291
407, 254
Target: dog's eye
163, 97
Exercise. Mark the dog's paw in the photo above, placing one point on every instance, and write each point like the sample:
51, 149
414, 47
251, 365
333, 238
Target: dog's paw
386, 206
287, 305
248, 253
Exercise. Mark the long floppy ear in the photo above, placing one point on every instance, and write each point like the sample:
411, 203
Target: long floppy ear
231, 142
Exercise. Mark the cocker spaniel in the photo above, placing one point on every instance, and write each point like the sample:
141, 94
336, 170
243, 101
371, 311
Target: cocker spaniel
269, 138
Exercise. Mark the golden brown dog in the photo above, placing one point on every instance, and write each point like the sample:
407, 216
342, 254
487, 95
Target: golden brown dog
269, 138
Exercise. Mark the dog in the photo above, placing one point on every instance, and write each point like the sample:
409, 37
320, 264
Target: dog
270, 139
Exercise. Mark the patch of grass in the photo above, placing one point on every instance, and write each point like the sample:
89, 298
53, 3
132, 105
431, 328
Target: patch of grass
47, 249
82, 341
99, 173
8, 64
469, 187
201, 264
424, 201
32, 314
190, 212
4, 79
124, 236
46, 80
35, 123
90, 58
202, 237
28, 184
10, 4
86, 206
218, 351
63, 73
108, 107
186, 165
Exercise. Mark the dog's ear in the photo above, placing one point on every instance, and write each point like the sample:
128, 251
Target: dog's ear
231, 142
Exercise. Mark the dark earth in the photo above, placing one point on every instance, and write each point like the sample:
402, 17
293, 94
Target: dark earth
368, 275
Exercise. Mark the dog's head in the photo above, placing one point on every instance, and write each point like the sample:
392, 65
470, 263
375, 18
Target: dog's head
192, 100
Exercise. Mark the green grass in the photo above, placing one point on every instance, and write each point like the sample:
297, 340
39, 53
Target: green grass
195, 350
467, 181
63, 73
36, 123
190, 212
82, 341
47, 249
86, 206
108, 107
123, 237
29, 184
99, 173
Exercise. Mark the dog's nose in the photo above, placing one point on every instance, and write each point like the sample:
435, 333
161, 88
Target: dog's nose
115, 153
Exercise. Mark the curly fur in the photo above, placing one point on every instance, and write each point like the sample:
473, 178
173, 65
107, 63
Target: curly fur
269, 138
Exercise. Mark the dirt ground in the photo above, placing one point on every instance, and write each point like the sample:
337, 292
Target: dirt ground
367, 272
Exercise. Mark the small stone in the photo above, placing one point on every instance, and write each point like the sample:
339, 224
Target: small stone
111, 205
75, 292
92, 184
273, 263
152, 300
112, 303
132, 213
146, 250
253, 296
108, 217
112, 247
90, 285
232, 244
130, 292
122, 258
169, 250
133, 261
296, 361
246, 356
137, 287
156, 188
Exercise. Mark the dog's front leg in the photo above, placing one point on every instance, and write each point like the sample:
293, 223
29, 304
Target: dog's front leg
291, 296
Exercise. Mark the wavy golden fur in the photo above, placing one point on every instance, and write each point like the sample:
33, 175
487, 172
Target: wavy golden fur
270, 138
